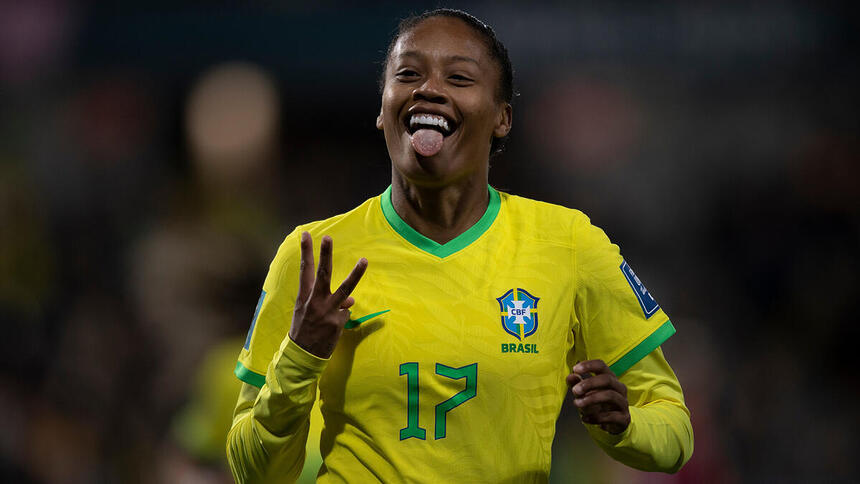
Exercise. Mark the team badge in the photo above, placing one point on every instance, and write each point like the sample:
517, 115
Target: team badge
519, 312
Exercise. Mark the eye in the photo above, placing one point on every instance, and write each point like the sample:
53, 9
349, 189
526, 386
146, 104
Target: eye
406, 74
461, 80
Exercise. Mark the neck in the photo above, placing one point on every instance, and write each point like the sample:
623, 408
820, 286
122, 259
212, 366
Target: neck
440, 213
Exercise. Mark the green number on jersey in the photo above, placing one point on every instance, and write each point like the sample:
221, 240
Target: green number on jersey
412, 429
470, 373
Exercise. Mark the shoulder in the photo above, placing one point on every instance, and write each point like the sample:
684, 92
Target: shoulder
353, 223
545, 221
346, 229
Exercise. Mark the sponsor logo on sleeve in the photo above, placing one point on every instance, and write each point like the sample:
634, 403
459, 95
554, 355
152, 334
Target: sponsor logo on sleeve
254, 321
648, 304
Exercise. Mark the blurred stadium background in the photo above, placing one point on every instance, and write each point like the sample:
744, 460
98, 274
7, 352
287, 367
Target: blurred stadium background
154, 154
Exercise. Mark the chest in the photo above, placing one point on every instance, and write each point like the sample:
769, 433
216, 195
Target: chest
508, 316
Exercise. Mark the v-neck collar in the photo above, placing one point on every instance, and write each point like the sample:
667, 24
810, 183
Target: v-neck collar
431, 246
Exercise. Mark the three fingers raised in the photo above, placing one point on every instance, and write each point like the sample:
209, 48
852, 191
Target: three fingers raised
320, 285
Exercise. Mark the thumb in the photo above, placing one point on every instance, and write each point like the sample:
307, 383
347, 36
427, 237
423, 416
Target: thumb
347, 303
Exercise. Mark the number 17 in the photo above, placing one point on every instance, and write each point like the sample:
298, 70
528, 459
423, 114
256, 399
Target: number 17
412, 429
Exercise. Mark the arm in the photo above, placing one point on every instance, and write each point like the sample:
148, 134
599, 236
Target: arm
637, 417
658, 435
270, 427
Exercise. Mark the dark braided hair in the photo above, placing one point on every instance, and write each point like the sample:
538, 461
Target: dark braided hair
498, 52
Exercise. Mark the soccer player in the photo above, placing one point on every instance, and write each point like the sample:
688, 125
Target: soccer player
447, 356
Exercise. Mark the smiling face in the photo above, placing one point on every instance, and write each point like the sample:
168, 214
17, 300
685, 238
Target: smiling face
440, 76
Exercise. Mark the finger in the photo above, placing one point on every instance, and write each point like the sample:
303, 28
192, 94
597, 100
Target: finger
616, 417
590, 411
306, 267
323, 282
612, 399
591, 366
573, 379
346, 304
599, 407
602, 381
598, 382
348, 284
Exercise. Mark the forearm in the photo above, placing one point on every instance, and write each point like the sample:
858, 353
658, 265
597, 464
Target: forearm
660, 435
659, 438
270, 429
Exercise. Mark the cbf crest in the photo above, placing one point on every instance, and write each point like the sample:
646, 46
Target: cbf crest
519, 312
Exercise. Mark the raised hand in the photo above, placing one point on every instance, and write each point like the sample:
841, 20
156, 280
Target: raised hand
601, 398
320, 315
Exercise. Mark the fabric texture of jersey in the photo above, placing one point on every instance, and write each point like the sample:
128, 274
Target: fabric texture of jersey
453, 367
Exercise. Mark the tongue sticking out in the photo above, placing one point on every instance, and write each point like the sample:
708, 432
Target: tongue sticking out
427, 142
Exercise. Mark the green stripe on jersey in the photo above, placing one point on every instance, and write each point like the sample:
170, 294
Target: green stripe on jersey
649, 344
431, 246
248, 376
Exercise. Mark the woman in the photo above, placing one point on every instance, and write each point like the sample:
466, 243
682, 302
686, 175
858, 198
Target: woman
418, 380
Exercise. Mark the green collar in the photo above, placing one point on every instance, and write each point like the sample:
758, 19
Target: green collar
431, 246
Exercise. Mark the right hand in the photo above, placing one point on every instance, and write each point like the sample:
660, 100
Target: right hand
320, 315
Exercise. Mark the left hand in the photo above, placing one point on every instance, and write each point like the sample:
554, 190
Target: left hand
601, 398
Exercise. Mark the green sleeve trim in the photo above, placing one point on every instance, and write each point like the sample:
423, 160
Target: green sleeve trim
649, 344
248, 376
431, 246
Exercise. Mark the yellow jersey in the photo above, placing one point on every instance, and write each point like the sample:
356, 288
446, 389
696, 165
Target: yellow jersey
452, 367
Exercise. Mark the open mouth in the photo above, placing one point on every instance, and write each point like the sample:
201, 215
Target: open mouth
435, 122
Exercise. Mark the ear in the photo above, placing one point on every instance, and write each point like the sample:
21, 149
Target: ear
503, 122
379, 120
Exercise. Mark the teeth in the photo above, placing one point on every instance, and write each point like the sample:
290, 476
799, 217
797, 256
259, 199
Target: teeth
429, 120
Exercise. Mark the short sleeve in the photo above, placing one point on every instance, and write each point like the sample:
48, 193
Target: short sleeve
616, 318
273, 313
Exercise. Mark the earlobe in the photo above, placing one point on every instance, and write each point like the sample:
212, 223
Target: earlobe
379, 121
503, 126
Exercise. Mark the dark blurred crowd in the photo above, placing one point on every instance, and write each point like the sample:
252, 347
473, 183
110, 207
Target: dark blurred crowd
153, 157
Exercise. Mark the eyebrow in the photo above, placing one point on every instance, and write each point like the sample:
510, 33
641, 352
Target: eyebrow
452, 58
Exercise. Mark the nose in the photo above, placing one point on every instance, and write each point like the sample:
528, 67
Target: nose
430, 91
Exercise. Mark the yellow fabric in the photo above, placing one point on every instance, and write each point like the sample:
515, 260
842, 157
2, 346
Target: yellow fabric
443, 333
271, 425
660, 437
313, 459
